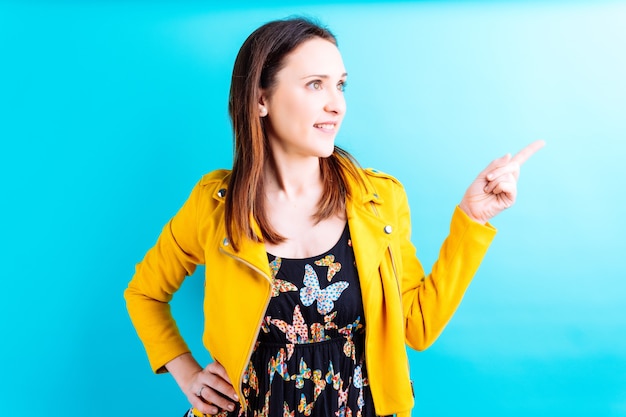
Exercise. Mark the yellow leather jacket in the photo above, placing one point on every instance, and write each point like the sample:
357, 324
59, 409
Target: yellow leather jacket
402, 305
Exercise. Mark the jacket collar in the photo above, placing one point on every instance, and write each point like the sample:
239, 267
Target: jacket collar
369, 232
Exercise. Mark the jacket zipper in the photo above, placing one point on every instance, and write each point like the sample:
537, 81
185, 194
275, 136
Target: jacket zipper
395, 274
393, 262
267, 302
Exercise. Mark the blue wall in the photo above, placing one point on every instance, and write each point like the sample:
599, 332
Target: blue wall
109, 113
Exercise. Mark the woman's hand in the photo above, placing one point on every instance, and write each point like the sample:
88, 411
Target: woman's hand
209, 390
495, 188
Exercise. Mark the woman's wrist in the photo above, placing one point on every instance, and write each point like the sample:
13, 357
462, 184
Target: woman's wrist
465, 209
183, 368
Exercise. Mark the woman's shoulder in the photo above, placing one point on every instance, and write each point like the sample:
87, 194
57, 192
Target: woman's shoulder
212, 186
216, 177
377, 185
380, 178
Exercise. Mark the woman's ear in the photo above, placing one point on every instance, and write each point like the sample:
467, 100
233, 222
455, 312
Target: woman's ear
262, 106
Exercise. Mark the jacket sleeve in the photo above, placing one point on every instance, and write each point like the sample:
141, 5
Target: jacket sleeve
429, 301
158, 276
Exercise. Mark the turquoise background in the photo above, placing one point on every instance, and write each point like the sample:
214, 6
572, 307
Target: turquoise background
111, 111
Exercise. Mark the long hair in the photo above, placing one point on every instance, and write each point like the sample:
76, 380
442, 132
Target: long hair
260, 58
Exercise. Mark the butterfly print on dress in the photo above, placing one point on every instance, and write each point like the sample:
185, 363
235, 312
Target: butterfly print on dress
312, 292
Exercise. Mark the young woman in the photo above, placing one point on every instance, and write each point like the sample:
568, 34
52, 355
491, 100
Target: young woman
312, 287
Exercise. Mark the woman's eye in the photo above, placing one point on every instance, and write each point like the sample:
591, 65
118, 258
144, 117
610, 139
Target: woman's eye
315, 85
342, 86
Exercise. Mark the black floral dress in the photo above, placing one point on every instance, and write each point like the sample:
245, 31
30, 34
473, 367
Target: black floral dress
309, 356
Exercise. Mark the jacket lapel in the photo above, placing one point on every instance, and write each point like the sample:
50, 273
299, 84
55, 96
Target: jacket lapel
251, 253
367, 231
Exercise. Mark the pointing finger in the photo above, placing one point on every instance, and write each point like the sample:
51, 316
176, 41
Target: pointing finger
523, 155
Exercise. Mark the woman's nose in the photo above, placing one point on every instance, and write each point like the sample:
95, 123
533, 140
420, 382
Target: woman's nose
336, 102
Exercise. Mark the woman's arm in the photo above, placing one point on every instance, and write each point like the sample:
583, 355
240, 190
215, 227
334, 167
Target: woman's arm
431, 300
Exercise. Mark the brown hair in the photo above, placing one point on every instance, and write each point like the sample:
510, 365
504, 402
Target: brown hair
260, 58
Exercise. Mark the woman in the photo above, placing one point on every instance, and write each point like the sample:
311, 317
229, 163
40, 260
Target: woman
312, 285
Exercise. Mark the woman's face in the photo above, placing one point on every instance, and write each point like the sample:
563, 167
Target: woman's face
306, 105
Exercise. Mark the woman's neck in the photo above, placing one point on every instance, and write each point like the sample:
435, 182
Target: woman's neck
293, 179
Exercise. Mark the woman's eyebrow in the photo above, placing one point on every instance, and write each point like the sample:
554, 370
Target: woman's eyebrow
323, 76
